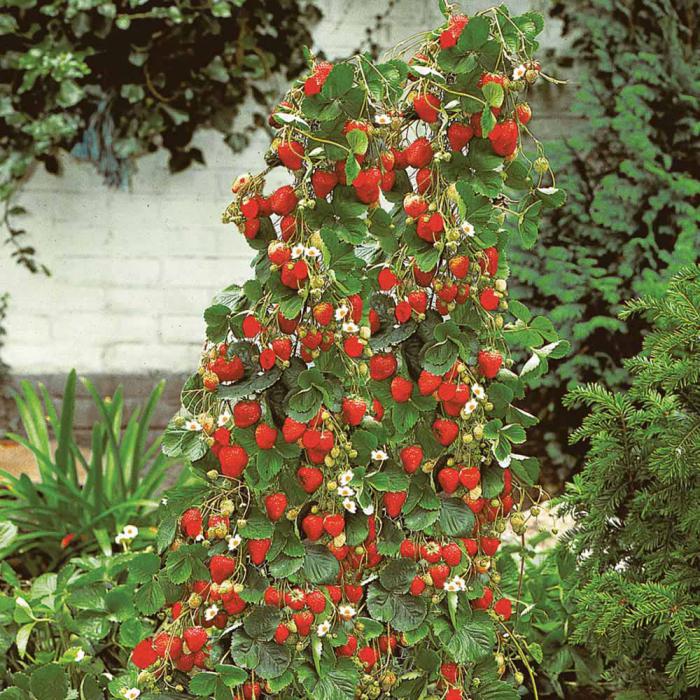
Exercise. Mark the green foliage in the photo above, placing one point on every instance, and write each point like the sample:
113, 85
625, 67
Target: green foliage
630, 170
636, 506
112, 81
90, 498
62, 633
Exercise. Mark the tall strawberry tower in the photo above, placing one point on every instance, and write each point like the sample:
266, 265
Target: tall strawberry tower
351, 429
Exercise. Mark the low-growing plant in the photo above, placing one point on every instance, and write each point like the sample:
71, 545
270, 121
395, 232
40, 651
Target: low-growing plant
79, 501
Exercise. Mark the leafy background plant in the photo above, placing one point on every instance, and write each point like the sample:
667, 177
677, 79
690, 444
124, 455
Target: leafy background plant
630, 171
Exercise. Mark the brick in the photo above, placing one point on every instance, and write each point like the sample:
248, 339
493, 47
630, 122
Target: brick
205, 272
103, 329
181, 329
137, 357
108, 272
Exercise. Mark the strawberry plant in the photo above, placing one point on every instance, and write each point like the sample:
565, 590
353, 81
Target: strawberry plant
352, 427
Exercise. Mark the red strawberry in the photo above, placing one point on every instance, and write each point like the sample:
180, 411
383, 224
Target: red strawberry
283, 200
278, 253
251, 228
439, 574
267, 359
312, 525
401, 389
295, 599
411, 458
292, 430
368, 656
258, 550
490, 363
418, 301
504, 608
349, 648
143, 654
252, 691
334, 524
428, 383
431, 552
451, 554
353, 593
450, 36
445, 431
488, 299
265, 436
288, 227
414, 205
314, 84
185, 663
387, 279
402, 312
310, 477
281, 633
454, 694
459, 266
287, 325
353, 346
291, 153
303, 620
251, 326
448, 478
472, 546
366, 185
459, 135
335, 593
246, 413
483, 602
167, 645
469, 477
316, 602
449, 672
523, 112
195, 638
275, 505
378, 410
489, 263
408, 550
419, 153
233, 460
323, 313
382, 366
393, 502
417, 586
427, 107
354, 410
323, 182
191, 522
356, 306
221, 567
272, 597
282, 347
429, 227
489, 545
424, 180
504, 137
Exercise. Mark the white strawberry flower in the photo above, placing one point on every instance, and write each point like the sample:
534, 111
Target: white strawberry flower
234, 542
350, 505
469, 408
193, 425
341, 312
323, 629
350, 327
164, 501
478, 391
312, 252
131, 693
345, 491
298, 250
382, 119
368, 509
224, 419
79, 655
457, 583
379, 455
210, 613
468, 229
519, 72
347, 612
344, 478
131, 531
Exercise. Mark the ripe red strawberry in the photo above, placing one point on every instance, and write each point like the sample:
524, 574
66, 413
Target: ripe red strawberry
354, 410
191, 522
275, 505
489, 263
265, 436
387, 643
251, 228
272, 597
356, 306
382, 366
488, 299
312, 338
323, 182
252, 691
295, 599
393, 502
251, 326
221, 567
143, 654
428, 383
258, 550
449, 672
314, 83
419, 153
411, 458
459, 135
195, 638
431, 552
366, 185
334, 524
267, 359
283, 200
439, 574
353, 346
484, 602
459, 266
282, 347
281, 633
489, 362
287, 325
278, 253
402, 312
292, 430
414, 205
185, 663
167, 645
469, 477
523, 112
312, 525
378, 410
489, 545
369, 657
288, 227
335, 593
504, 137
472, 546
429, 227
408, 550
454, 694
349, 648
450, 36
316, 602
448, 478
401, 389
310, 477
246, 413
418, 301
303, 620
291, 153
424, 180
233, 460
387, 279
504, 608
228, 370
445, 431
447, 391
417, 586
323, 313
451, 554
427, 107
340, 553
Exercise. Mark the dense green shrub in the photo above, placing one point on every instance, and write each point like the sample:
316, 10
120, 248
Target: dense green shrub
630, 170
637, 506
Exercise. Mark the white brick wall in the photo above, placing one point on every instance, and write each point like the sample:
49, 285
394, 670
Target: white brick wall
132, 271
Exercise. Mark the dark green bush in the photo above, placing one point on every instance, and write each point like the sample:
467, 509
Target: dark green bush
636, 507
630, 168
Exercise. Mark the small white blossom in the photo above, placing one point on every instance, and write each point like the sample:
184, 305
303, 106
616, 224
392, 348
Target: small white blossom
547, 190
350, 505
347, 612
519, 72
369, 509
468, 229
323, 629
341, 312
345, 491
344, 478
350, 327
108, 676
312, 252
79, 655
223, 419
131, 531
193, 425
297, 250
379, 455
210, 613
199, 538
457, 583
478, 391
164, 501
234, 542
132, 693
382, 119
469, 407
